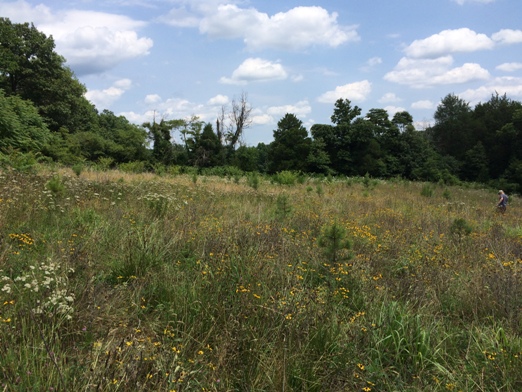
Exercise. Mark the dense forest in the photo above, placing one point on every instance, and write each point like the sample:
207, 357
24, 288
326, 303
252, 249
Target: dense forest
44, 114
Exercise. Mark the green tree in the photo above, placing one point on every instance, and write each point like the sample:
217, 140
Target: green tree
31, 69
291, 145
246, 158
344, 113
452, 133
21, 127
403, 120
127, 142
160, 135
380, 120
318, 160
207, 149
475, 165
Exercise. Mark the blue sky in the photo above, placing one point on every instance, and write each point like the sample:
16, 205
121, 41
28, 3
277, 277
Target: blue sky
180, 58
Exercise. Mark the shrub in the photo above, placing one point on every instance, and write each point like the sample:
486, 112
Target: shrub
132, 167
285, 177
253, 180
427, 190
55, 185
460, 228
77, 168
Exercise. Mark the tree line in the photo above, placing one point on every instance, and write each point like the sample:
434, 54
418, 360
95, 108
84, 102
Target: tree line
43, 111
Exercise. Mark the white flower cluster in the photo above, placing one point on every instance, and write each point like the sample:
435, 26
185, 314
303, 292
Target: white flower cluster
161, 202
45, 283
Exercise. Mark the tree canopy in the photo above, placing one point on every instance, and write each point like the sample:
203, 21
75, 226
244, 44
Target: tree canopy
43, 109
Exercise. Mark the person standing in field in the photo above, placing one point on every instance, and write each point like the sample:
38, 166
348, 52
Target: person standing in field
502, 201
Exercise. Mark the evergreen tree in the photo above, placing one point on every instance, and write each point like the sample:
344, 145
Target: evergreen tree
291, 145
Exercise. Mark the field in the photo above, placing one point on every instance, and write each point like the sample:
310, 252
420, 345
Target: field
134, 282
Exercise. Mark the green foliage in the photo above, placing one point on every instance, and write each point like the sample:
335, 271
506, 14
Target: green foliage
253, 180
283, 207
291, 144
344, 113
21, 127
132, 167
460, 228
77, 169
160, 135
32, 70
19, 161
55, 185
104, 163
334, 241
427, 190
319, 189
367, 180
285, 177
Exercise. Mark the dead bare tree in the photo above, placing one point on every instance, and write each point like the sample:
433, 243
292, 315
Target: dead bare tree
221, 130
239, 120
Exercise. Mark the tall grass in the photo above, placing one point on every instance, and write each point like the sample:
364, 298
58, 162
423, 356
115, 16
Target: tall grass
137, 282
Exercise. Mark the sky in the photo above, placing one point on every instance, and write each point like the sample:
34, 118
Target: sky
174, 59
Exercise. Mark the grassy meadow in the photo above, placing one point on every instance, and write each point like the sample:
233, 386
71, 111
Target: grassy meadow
112, 281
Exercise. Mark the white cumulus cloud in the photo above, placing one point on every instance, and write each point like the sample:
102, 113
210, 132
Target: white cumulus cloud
389, 98
295, 29
218, 100
421, 73
103, 99
90, 41
423, 104
357, 91
509, 67
511, 86
392, 110
300, 109
447, 42
508, 36
256, 70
